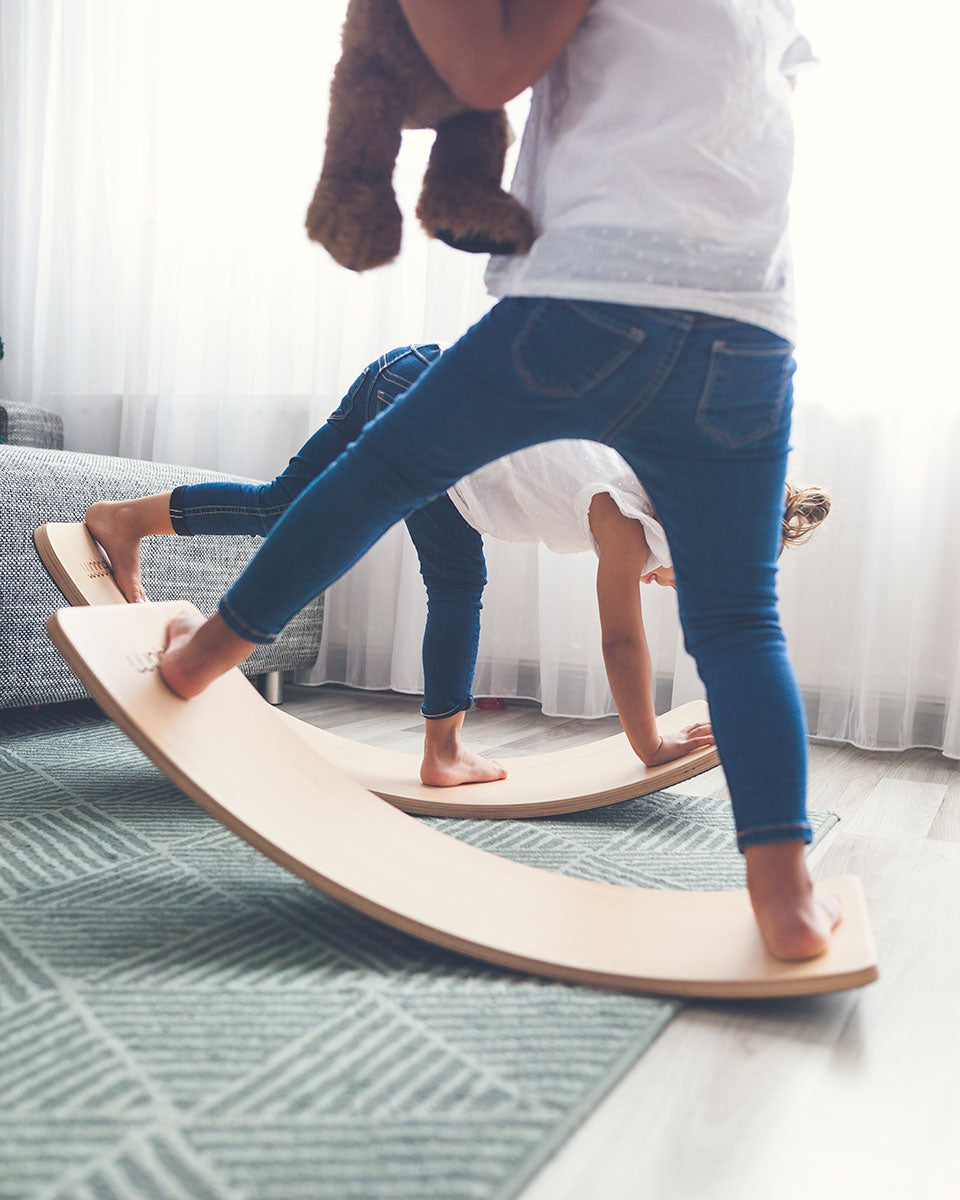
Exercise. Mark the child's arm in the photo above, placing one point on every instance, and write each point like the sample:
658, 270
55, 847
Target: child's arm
622, 556
488, 51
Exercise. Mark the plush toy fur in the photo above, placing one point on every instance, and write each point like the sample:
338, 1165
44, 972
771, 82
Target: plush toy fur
382, 84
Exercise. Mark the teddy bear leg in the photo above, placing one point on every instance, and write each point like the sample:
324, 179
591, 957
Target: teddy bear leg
354, 211
462, 202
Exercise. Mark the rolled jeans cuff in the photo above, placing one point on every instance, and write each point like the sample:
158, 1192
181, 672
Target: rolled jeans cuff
463, 706
798, 831
177, 517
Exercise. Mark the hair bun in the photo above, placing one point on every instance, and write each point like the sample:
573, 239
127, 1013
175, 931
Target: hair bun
805, 509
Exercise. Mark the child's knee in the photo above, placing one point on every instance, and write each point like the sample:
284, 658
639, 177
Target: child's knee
464, 589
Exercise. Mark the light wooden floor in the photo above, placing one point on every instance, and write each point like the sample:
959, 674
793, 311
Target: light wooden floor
853, 1095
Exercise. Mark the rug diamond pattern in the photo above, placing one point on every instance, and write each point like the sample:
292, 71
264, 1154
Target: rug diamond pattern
181, 1018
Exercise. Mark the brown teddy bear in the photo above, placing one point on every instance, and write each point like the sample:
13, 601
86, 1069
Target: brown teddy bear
382, 84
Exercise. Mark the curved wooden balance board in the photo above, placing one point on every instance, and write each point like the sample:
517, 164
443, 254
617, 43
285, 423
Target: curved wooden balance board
76, 564
231, 752
561, 781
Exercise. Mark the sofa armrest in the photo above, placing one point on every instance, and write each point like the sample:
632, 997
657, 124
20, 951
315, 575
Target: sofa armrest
27, 425
47, 485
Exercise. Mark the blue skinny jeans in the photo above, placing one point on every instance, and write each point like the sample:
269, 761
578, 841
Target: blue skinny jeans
450, 551
698, 405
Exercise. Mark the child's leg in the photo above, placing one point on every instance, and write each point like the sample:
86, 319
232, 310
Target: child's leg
731, 627
454, 572
215, 507
719, 491
227, 507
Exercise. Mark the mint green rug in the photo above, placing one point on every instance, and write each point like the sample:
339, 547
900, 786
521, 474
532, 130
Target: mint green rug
180, 1019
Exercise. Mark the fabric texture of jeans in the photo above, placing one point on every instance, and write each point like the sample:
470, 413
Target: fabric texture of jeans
698, 405
450, 551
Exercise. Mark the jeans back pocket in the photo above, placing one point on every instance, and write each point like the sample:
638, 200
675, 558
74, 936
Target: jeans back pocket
566, 348
744, 392
348, 402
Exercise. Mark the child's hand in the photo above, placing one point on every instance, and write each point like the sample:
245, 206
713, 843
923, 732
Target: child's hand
676, 745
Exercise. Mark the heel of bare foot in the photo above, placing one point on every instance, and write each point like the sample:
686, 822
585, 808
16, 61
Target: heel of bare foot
464, 766
198, 652
446, 762
795, 918
111, 525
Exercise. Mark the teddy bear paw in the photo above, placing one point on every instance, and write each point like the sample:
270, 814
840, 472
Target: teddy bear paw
358, 223
478, 220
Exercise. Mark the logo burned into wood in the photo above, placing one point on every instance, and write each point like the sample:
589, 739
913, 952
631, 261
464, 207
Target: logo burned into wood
146, 661
96, 568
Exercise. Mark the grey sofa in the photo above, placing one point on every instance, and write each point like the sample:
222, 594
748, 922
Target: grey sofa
40, 485
27, 425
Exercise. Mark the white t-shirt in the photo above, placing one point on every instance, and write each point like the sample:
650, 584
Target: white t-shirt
657, 160
543, 494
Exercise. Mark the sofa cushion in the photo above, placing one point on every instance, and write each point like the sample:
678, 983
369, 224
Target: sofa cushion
27, 425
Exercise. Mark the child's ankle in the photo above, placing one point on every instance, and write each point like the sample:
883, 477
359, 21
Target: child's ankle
794, 918
778, 866
441, 736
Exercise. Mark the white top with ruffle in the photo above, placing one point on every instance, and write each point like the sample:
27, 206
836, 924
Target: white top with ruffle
543, 494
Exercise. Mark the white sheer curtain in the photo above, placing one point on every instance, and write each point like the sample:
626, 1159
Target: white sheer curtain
872, 605
158, 286
158, 291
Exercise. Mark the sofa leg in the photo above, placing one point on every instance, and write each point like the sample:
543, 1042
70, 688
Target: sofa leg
271, 685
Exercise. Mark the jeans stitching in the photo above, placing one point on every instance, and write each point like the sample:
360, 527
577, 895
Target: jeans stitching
392, 377
243, 628
392, 356
633, 332
236, 510
652, 390
418, 351
346, 405
632, 343
177, 515
386, 361
701, 416
770, 828
461, 707
802, 827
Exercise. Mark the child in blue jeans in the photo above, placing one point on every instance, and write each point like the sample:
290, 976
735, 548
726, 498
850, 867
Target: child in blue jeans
654, 314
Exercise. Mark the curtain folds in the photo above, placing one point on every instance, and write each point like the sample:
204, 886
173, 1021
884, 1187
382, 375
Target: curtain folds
157, 290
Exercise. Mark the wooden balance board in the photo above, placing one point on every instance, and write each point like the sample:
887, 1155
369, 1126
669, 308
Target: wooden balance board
235, 756
561, 781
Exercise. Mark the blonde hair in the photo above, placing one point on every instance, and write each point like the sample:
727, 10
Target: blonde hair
804, 509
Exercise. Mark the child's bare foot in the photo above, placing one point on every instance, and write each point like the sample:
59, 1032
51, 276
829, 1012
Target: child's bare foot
118, 526
462, 767
198, 652
447, 763
795, 918
111, 526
